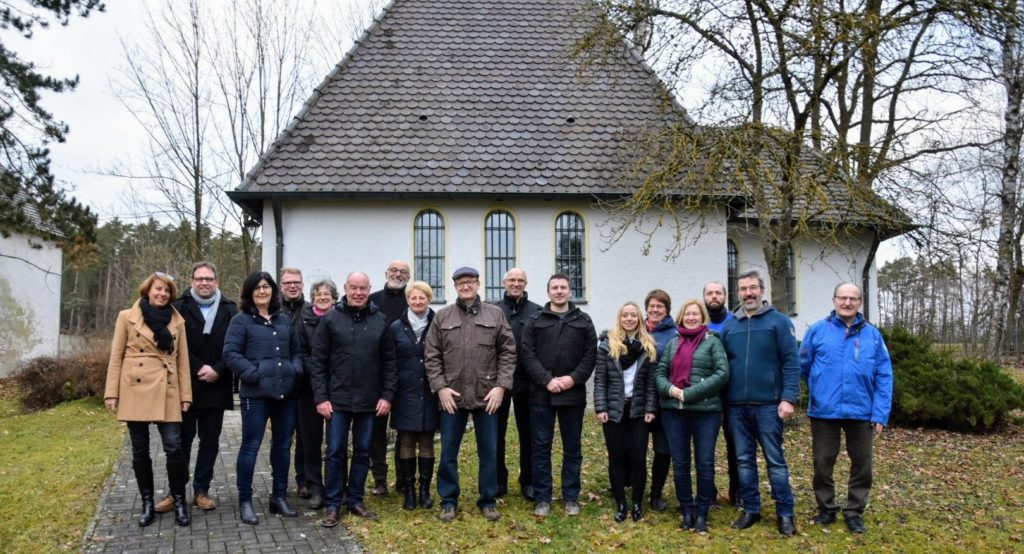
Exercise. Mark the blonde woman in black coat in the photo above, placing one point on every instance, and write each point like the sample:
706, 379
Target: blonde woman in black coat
625, 402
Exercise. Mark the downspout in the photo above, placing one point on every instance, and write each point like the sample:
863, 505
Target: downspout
279, 235
865, 278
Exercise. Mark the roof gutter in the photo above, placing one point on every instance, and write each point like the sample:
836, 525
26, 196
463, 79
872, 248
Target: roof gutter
865, 276
279, 237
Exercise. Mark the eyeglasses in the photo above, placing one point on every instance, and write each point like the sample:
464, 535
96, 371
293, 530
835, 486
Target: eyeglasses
163, 276
291, 283
464, 284
264, 286
398, 271
204, 279
851, 299
751, 288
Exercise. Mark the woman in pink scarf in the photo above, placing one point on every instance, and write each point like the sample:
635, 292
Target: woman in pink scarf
689, 378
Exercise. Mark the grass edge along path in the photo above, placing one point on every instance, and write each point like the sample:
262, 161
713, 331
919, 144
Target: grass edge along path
53, 467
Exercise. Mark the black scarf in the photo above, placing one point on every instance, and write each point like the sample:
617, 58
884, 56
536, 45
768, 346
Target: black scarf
157, 320
633, 350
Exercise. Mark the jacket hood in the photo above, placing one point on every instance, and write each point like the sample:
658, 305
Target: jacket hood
740, 313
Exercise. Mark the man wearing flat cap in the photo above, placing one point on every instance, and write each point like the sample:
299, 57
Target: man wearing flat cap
470, 359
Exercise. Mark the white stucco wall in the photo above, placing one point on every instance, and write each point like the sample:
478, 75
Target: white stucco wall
30, 280
820, 268
335, 238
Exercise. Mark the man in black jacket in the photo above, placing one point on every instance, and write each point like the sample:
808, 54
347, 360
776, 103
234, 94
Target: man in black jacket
352, 370
207, 314
559, 352
293, 301
518, 309
390, 300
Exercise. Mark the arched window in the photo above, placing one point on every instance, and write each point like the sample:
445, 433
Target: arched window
500, 253
733, 267
791, 281
569, 258
428, 251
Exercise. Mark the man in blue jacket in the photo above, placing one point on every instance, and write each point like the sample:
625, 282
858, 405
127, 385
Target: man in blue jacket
764, 381
849, 376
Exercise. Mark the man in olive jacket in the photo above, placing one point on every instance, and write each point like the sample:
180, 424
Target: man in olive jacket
470, 359
559, 352
352, 370
207, 314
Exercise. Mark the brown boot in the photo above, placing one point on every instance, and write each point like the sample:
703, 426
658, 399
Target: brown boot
165, 505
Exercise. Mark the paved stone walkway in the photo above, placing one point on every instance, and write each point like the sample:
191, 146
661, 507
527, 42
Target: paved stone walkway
114, 529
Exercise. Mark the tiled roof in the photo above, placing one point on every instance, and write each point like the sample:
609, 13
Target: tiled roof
466, 96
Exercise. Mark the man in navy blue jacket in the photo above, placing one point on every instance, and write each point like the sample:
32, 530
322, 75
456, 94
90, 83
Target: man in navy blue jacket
764, 382
849, 376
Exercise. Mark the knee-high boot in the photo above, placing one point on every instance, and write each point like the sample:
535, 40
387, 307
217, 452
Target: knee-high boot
144, 478
407, 477
426, 474
177, 475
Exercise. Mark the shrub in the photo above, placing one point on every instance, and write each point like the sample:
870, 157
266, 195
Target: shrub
933, 388
45, 382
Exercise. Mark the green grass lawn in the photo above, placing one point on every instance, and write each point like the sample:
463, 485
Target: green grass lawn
52, 467
933, 491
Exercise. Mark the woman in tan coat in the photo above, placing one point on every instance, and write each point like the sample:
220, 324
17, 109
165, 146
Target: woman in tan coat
148, 382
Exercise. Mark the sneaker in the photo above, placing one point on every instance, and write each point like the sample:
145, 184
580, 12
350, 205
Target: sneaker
542, 509
164, 506
447, 513
203, 501
855, 524
491, 513
572, 508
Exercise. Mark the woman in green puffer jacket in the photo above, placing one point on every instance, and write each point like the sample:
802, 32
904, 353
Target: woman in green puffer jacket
690, 378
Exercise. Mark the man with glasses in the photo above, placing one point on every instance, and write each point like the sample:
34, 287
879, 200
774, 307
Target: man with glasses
470, 359
846, 365
392, 302
764, 382
293, 300
207, 314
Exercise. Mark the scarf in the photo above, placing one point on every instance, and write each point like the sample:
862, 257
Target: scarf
633, 349
157, 320
213, 303
682, 362
651, 326
318, 313
418, 323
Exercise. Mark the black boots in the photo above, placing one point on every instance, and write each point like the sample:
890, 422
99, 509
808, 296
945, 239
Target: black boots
144, 478
280, 506
407, 478
177, 476
426, 474
620, 513
247, 514
659, 474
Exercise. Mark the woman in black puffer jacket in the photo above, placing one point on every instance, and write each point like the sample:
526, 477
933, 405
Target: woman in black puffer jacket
263, 351
625, 402
415, 411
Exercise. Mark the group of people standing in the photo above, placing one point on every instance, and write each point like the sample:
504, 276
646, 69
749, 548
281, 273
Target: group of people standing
348, 365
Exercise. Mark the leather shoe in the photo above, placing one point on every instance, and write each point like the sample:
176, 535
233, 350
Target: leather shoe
745, 520
302, 491
247, 514
855, 524
380, 489
165, 505
658, 504
824, 518
316, 501
700, 523
330, 518
203, 502
786, 526
687, 521
362, 511
280, 506
620, 513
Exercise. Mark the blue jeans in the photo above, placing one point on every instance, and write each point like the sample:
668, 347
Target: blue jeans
453, 427
336, 480
255, 413
683, 427
751, 425
570, 426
